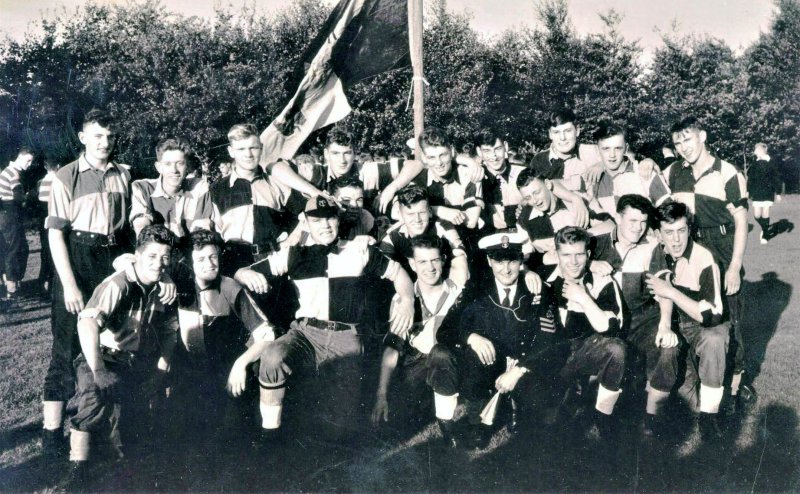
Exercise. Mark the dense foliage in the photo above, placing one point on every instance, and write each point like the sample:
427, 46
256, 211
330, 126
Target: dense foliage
169, 74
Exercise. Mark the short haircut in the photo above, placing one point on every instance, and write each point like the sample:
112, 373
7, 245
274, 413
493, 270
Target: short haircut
609, 129
673, 211
570, 235
202, 237
345, 181
27, 150
527, 176
561, 116
100, 117
426, 242
487, 137
411, 194
159, 234
763, 147
637, 202
51, 164
341, 137
686, 123
242, 131
433, 137
173, 144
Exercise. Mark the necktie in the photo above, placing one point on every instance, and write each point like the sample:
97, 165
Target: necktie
507, 299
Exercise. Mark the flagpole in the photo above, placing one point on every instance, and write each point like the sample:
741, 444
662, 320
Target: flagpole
415, 50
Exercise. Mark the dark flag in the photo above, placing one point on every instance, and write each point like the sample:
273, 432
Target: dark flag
360, 39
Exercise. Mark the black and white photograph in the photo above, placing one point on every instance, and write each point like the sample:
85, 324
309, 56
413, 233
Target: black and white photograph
399, 246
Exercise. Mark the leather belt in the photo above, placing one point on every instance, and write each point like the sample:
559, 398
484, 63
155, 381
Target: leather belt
315, 323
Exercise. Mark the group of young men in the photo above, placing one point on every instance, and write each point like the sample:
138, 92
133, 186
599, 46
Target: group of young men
525, 284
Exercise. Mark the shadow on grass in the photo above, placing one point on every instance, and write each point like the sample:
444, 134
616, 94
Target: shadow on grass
765, 300
780, 227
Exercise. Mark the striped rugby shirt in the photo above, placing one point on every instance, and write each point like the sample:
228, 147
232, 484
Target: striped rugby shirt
714, 197
135, 320
630, 270
502, 197
696, 274
186, 211
248, 211
604, 291
88, 199
397, 244
11, 189
44, 186
453, 191
320, 271
570, 170
610, 188
541, 226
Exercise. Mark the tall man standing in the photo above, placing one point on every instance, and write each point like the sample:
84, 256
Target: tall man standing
763, 182
13, 245
87, 217
716, 193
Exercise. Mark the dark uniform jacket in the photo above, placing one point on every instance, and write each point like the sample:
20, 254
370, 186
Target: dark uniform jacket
523, 332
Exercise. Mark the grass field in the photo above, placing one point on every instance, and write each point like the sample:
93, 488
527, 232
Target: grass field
761, 452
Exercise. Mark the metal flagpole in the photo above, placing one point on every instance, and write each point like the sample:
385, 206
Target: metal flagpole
415, 49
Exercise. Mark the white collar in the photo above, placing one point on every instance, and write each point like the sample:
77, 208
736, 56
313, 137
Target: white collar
501, 292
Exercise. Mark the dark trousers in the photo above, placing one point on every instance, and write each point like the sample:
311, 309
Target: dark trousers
661, 364
13, 245
90, 265
46, 269
122, 412
721, 247
596, 355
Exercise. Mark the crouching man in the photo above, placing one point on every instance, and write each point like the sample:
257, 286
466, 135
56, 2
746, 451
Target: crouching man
331, 278
422, 361
127, 336
696, 293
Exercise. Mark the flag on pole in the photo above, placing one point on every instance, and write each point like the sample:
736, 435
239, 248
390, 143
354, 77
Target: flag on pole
360, 39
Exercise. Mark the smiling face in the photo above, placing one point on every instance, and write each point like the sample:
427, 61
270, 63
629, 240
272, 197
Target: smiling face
350, 197
151, 261
537, 195
323, 230
339, 159
246, 154
438, 159
205, 263
564, 137
98, 142
572, 260
690, 144
675, 237
416, 217
612, 151
632, 225
172, 168
494, 156
506, 272
428, 264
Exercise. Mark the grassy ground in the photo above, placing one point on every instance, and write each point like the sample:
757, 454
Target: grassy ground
761, 452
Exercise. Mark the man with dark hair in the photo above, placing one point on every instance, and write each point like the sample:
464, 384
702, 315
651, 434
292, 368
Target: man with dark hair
574, 164
180, 203
222, 332
590, 311
126, 336
697, 295
331, 278
13, 246
421, 359
763, 182
87, 220
632, 255
415, 221
504, 340
716, 193
621, 175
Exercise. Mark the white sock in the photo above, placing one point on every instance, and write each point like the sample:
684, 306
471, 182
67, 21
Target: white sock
53, 414
655, 401
270, 415
78, 445
445, 406
710, 398
606, 399
736, 380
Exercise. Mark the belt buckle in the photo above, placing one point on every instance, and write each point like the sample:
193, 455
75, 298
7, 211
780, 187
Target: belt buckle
330, 325
255, 249
111, 239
